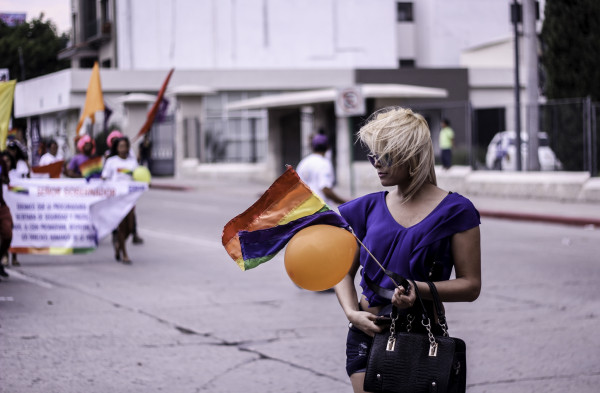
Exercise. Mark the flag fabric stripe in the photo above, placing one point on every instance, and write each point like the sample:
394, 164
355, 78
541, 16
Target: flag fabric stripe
256, 235
286, 193
272, 215
91, 167
260, 246
51, 250
312, 205
279, 188
18, 190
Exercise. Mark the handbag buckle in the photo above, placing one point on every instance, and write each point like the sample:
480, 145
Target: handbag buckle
391, 344
433, 349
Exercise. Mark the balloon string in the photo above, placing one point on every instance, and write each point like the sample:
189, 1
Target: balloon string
375, 259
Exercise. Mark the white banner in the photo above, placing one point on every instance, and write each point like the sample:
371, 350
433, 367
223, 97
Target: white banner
65, 216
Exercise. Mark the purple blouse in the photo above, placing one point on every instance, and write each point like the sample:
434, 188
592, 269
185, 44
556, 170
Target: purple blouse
406, 250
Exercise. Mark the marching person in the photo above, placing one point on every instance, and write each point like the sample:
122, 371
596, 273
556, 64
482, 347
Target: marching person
404, 229
119, 167
317, 172
20, 168
87, 149
113, 136
6, 223
52, 155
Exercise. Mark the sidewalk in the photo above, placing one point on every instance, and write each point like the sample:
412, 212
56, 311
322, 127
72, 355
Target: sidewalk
513, 208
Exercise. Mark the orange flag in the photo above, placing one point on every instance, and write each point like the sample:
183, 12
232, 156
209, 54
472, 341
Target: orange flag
152, 113
54, 169
94, 102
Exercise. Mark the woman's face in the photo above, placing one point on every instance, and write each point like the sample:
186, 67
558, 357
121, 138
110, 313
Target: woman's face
123, 149
53, 149
87, 148
391, 175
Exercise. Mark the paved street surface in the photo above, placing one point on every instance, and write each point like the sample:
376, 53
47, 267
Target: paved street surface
184, 318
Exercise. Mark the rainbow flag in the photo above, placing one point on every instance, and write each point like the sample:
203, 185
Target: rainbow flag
91, 168
259, 233
18, 190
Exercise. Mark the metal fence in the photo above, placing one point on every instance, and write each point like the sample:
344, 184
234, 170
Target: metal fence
573, 133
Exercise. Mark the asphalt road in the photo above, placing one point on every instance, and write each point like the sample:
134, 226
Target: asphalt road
184, 318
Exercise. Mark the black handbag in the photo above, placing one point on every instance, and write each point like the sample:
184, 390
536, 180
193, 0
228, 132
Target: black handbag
409, 362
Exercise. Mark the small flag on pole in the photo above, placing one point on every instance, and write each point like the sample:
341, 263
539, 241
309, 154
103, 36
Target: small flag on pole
155, 107
94, 102
259, 233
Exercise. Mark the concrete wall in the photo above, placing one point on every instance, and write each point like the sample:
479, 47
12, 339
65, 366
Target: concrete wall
229, 34
445, 28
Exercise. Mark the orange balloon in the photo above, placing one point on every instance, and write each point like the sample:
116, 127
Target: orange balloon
319, 256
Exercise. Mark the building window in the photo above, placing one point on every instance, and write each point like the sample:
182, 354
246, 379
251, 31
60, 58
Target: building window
406, 63
234, 136
404, 12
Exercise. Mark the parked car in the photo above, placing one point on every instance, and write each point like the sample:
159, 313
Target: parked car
502, 152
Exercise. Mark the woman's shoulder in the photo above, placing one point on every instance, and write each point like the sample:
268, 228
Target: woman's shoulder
458, 206
454, 198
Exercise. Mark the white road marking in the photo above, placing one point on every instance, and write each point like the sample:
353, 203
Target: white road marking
182, 238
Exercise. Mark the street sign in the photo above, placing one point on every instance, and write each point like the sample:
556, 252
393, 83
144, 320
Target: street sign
349, 102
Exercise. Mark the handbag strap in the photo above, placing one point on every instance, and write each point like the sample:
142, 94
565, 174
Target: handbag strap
386, 293
424, 313
439, 307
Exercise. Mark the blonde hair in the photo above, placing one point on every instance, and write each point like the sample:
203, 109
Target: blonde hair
403, 136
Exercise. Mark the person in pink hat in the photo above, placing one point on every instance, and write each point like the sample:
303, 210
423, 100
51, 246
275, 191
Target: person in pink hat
87, 149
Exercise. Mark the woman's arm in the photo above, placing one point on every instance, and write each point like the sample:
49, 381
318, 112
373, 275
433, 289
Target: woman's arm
348, 298
466, 250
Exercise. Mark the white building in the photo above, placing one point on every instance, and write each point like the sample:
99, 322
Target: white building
230, 51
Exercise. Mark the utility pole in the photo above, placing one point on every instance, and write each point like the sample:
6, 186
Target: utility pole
21, 63
530, 46
515, 16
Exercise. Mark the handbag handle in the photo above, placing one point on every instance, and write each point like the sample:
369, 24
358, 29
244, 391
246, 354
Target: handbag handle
439, 307
424, 314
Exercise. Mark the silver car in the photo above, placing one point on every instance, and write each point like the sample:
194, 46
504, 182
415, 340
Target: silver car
502, 153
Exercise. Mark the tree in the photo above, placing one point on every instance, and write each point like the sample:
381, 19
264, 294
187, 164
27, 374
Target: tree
39, 45
571, 62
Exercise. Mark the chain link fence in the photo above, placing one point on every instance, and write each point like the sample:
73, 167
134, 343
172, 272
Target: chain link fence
569, 130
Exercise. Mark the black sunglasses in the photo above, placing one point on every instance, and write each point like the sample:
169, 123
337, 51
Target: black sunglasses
384, 161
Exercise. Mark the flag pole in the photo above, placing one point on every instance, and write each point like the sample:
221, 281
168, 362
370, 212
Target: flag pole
375, 259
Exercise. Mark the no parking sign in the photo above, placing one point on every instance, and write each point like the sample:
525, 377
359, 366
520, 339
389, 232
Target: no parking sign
350, 102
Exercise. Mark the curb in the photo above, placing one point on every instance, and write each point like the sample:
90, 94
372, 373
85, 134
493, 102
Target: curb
577, 221
170, 187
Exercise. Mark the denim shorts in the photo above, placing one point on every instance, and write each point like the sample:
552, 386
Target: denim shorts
358, 345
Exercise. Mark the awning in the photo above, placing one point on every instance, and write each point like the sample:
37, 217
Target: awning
308, 97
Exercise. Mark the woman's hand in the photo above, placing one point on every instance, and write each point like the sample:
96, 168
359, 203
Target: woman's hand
402, 300
365, 321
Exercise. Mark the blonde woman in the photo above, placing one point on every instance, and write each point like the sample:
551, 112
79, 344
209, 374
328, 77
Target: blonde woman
418, 231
